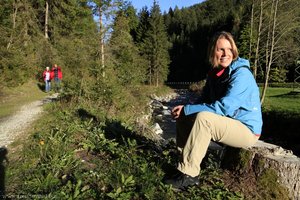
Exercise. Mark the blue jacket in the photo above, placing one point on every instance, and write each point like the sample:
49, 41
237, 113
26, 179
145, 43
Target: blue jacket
240, 100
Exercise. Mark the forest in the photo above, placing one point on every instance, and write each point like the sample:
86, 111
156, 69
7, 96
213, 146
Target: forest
94, 38
113, 57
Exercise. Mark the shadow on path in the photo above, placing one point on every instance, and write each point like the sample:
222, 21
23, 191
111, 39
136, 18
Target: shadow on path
3, 159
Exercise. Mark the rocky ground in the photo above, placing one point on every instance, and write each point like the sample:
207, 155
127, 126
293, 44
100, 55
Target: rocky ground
164, 126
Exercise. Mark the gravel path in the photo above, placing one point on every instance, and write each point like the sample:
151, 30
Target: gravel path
14, 125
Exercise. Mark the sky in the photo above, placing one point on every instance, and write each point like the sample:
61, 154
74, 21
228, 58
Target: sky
164, 4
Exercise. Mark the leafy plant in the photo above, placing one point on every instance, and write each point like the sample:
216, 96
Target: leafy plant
125, 190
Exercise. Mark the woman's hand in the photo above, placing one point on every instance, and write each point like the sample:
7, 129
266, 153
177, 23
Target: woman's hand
176, 111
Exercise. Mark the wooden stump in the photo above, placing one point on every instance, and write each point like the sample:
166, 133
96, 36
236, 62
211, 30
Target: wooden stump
272, 166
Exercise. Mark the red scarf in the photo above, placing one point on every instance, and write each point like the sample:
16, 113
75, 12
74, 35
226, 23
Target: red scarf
217, 72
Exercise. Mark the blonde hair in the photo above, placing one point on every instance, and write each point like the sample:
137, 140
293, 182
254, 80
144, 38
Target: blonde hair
212, 47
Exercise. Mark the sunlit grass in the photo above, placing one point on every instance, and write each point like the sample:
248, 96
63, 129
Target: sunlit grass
73, 157
77, 158
283, 100
11, 99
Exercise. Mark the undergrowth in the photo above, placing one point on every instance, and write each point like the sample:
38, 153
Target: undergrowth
12, 99
84, 149
69, 156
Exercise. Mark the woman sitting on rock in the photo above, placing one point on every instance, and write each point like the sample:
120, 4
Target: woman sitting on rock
229, 111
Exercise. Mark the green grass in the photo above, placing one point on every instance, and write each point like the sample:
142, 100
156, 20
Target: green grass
283, 100
70, 156
76, 158
281, 116
13, 98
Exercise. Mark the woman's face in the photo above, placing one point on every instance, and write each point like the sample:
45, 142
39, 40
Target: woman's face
223, 52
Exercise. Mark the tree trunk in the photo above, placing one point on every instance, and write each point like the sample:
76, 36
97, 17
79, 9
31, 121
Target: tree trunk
251, 31
258, 40
46, 20
26, 25
101, 40
259, 161
157, 78
14, 17
150, 73
270, 58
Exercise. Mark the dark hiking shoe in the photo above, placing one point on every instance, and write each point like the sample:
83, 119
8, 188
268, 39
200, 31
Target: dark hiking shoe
182, 181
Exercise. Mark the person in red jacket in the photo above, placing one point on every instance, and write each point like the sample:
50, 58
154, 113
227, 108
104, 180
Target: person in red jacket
56, 74
47, 78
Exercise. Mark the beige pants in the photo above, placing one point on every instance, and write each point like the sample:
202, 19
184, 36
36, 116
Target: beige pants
194, 133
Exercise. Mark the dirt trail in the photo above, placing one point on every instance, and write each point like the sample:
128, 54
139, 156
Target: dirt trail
14, 125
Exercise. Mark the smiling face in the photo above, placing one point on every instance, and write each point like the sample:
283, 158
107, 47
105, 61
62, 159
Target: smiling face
222, 50
223, 53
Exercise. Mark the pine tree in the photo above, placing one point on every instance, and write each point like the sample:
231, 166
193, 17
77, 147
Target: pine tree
19, 31
155, 46
104, 10
143, 25
127, 62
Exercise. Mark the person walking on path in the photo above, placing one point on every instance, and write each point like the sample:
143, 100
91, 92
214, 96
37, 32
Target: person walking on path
229, 111
57, 76
47, 78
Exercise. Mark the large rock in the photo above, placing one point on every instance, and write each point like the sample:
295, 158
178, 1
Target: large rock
264, 157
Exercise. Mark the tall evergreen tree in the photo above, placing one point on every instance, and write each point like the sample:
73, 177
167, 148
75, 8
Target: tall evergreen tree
143, 25
19, 31
132, 17
156, 45
104, 9
24, 49
127, 62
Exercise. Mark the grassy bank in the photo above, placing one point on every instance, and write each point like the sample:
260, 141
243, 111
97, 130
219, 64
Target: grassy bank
281, 115
78, 158
73, 153
283, 100
13, 98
